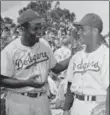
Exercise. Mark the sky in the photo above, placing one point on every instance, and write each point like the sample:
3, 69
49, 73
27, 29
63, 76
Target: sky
80, 8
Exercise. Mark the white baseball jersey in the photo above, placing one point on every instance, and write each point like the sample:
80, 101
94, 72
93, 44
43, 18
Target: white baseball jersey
89, 72
21, 62
62, 54
107, 40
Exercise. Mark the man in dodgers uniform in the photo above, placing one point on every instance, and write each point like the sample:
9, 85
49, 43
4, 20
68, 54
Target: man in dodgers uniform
25, 64
88, 71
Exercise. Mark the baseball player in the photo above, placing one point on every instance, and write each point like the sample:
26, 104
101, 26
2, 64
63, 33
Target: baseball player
25, 64
88, 71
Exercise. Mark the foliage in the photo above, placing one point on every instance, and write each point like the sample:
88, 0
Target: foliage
8, 20
54, 17
51, 16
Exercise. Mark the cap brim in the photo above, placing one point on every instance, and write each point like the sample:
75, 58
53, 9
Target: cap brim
76, 24
37, 21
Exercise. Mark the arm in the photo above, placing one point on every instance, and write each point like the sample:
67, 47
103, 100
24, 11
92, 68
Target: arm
8, 82
61, 66
69, 98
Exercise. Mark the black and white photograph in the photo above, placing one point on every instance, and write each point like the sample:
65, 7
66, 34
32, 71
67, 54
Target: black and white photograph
54, 57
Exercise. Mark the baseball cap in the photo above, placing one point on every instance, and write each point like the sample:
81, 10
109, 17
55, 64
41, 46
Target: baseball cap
92, 20
29, 15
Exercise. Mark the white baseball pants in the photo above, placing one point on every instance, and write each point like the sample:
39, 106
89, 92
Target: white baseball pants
17, 104
82, 107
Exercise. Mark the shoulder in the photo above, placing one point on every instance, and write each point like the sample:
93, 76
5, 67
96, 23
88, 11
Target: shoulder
105, 49
78, 55
106, 52
45, 45
11, 46
44, 42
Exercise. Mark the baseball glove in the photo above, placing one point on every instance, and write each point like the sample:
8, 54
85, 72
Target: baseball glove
99, 109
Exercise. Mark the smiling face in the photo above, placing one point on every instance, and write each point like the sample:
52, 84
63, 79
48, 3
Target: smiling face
32, 32
35, 30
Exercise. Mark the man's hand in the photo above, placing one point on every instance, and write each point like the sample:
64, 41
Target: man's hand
9, 82
33, 82
66, 113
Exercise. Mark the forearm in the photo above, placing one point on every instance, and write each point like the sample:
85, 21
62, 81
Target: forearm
12, 83
69, 98
61, 66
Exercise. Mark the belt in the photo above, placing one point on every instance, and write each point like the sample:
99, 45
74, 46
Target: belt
33, 95
99, 98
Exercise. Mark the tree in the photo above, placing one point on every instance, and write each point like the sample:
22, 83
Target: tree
57, 5
44, 9
1, 22
61, 15
41, 7
8, 20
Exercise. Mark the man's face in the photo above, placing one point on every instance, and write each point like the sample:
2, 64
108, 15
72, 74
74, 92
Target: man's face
85, 34
34, 32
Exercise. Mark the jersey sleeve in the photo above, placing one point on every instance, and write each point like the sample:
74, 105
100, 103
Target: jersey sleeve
105, 70
52, 60
70, 70
7, 67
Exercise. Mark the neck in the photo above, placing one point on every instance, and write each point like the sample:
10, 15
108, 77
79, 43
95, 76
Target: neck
26, 42
94, 45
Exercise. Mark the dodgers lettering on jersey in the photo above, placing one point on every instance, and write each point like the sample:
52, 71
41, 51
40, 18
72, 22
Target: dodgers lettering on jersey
21, 62
31, 60
89, 72
84, 67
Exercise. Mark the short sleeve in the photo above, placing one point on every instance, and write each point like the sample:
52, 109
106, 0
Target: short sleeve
52, 59
105, 70
70, 70
7, 67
